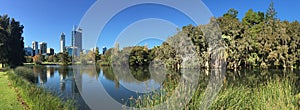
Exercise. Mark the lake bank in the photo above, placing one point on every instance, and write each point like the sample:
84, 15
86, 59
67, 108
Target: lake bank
32, 96
246, 89
241, 89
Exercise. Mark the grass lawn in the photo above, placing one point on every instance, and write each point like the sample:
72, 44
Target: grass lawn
8, 97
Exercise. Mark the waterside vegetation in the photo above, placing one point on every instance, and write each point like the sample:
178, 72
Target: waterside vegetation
33, 97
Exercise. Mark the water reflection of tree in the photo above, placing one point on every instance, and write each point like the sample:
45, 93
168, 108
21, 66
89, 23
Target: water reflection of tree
255, 77
126, 74
40, 72
90, 70
140, 73
108, 73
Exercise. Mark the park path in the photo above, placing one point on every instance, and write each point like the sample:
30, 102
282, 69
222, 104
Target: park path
8, 96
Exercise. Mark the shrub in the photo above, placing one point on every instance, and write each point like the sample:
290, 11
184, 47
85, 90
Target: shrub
25, 73
38, 59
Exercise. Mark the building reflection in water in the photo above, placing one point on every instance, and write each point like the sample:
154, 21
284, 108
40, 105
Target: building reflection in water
63, 71
61, 80
50, 72
41, 73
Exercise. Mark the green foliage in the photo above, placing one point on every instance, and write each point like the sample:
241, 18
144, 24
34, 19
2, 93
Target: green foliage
11, 42
52, 58
38, 59
259, 40
25, 73
139, 56
28, 59
64, 58
97, 54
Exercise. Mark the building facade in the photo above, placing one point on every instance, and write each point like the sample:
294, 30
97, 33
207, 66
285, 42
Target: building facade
50, 51
104, 50
35, 48
28, 51
73, 51
43, 48
62, 42
77, 38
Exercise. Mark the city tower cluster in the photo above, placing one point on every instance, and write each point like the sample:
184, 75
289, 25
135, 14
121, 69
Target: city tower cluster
73, 50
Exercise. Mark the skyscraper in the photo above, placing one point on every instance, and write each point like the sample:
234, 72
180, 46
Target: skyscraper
77, 38
73, 51
50, 51
62, 42
104, 50
28, 51
35, 48
43, 48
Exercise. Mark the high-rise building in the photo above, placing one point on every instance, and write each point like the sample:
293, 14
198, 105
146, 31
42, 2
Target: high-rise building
62, 42
50, 51
28, 51
35, 48
104, 50
73, 51
77, 38
43, 48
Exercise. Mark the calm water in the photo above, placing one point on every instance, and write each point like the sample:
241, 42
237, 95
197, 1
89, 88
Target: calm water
97, 83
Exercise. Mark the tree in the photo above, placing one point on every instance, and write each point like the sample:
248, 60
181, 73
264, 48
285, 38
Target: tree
258, 40
50, 58
252, 18
139, 56
11, 42
271, 13
64, 58
28, 59
97, 55
4, 22
231, 13
38, 59
16, 44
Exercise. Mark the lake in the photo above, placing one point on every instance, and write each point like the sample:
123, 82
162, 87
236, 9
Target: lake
91, 86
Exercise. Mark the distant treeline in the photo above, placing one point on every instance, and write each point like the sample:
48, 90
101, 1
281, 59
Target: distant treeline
258, 40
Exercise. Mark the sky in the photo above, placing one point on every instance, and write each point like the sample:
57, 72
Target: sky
45, 20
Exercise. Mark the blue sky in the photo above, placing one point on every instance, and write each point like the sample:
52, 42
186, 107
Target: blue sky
45, 20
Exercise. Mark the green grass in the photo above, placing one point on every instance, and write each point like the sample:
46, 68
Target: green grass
274, 94
9, 99
35, 97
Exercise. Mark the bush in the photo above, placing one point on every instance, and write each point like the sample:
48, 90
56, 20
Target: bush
25, 73
28, 59
38, 59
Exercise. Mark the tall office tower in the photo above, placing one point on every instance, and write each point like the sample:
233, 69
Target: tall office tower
77, 38
35, 48
104, 50
43, 48
28, 51
50, 51
62, 42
